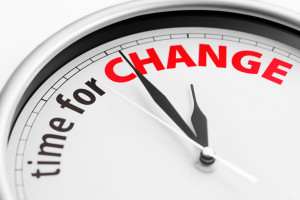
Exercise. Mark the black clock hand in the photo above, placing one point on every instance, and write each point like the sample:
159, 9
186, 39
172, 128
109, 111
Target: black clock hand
199, 122
162, 101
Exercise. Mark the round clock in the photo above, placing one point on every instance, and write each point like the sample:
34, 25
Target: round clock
157, 100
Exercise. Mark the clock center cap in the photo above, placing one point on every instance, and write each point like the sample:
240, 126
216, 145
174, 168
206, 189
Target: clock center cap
206, 156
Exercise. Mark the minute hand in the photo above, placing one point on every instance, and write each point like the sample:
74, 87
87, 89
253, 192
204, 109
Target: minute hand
162, 101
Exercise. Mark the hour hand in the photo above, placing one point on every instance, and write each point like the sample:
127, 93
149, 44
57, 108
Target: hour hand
199, 122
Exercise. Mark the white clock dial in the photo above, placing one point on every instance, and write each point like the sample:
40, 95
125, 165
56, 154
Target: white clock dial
98, 144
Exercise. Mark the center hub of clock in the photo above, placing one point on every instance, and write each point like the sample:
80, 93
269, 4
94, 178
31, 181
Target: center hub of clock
206, 156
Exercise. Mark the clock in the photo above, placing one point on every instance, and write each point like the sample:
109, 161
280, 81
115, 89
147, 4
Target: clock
157, 100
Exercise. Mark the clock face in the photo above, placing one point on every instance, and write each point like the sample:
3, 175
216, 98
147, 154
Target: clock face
94, 129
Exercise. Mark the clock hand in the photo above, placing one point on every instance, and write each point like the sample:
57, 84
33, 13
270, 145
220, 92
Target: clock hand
223, 161
199, 122
162, 101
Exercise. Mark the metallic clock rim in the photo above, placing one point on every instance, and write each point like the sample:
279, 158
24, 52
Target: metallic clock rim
32, 65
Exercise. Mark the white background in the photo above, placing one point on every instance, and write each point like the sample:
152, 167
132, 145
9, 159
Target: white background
26, 23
